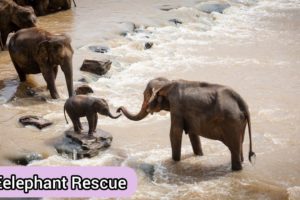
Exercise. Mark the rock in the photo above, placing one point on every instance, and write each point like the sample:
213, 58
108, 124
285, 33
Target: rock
36, 121
96, 67
83, 89
175, 21
127, 27
148, 169
26, 159
168, 7
209, 7
148, 45
30, 92
99, 49
78, 146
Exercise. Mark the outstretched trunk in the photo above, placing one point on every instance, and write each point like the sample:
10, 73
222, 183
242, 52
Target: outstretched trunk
111, 116
68, 71
141, 115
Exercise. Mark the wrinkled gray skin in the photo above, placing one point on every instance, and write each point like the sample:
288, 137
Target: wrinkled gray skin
86, 106
13, 18
200, 109
35, 51
43, 7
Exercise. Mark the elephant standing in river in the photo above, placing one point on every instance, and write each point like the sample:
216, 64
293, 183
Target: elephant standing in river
35, 51
13, 18
86, 106
200, 109
43, 7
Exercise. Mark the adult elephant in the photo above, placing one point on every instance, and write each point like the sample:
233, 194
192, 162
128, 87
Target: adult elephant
200, 109
43, 7
13, 18
34, 50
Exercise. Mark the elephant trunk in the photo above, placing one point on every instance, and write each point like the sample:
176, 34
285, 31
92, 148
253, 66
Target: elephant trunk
111, 116
141, 115
67, 68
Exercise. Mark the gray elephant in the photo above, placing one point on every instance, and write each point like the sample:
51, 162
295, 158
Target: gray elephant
86, 106
35, 51
13, 18
43, 7
200, 109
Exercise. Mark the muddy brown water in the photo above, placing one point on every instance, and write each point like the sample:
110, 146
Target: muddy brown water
253, 47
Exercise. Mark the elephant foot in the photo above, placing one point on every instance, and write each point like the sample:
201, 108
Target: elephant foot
77, 131
176, 158
199, 153
236, 166
55, 96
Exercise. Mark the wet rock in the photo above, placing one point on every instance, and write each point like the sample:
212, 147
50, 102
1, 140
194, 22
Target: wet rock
99, 49
36, 121
83, 89
209, 7
148, 45
78, 146
148, 169
26, 159
168, 7
30, 92
175, 21
96, 67
127, 27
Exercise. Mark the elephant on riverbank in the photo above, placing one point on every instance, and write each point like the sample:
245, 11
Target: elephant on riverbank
35, 50
13, 18
200, 109
86, 106
43, 7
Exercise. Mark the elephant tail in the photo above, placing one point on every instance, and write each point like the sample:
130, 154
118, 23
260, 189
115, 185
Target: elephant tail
251, 153
244, 108
65, 114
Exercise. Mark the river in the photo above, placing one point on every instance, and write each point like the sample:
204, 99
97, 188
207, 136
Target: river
253, 47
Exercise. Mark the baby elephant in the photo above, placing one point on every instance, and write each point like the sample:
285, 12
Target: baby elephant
81, 105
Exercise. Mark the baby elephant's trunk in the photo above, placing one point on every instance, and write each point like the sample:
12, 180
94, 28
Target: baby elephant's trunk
113, 117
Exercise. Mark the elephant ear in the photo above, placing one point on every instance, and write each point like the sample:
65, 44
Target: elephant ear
162, 91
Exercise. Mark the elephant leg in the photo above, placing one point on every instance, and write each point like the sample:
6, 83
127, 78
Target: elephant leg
241, 146
4, 35
21, 74
95, 122
75, 124
236, 163
50, 80
79, 124
55, 70
176, 136
1, 42
90, 119
196, 144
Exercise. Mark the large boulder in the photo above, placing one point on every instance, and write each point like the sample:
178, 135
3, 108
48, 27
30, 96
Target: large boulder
78, 146
96, 66
36, 121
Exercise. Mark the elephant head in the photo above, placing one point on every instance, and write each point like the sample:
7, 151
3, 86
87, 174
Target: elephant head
58, 51
152, 86
101, 106
23, 17
159, 98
